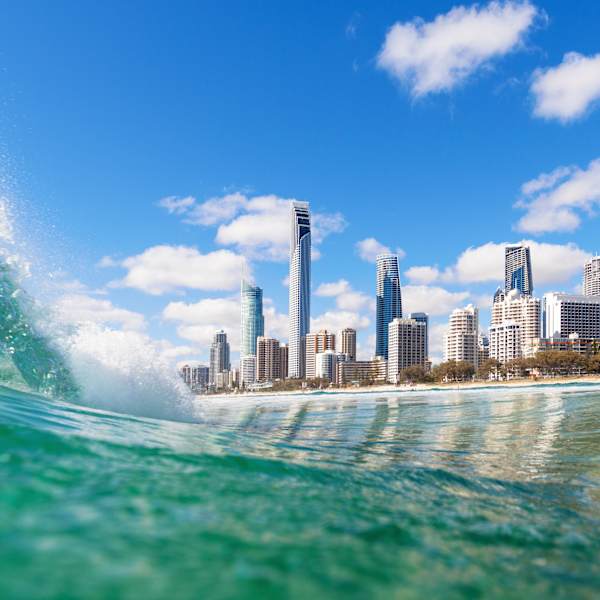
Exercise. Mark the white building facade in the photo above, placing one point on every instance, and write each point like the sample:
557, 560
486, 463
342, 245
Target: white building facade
591, 277
407, 346
522, 310
565, 314
461, 339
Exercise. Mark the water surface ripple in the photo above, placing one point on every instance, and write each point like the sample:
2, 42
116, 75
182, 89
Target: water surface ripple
447, 494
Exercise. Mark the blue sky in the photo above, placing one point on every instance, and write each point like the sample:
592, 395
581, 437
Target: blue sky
408, 123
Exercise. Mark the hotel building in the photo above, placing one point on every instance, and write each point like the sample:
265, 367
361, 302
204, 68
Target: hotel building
407, 346
591, 277
461, 339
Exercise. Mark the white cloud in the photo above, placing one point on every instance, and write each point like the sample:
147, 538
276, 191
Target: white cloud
346, 298
436, 341
276, 323
422, 275
546, 181
567, 91
258, 227
365, 350
333, 289
162, 269
430, 299
107, 262
217, 210
77, 308
198, 321
337, 320
177, 206
551, 263
437, 55
554, 201
369, 248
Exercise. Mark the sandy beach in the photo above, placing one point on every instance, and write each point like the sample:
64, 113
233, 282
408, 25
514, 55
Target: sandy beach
420, 387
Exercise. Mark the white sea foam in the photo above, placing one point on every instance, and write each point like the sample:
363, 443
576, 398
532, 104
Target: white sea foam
126, 372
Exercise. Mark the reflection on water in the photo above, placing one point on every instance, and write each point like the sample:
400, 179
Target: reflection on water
444, 494
521, 436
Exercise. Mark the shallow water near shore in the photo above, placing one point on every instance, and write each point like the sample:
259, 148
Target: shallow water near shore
446, 494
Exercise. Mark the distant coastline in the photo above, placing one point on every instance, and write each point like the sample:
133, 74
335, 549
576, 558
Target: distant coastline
419, 387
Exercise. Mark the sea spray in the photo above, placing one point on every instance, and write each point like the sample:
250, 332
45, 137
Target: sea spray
126, 372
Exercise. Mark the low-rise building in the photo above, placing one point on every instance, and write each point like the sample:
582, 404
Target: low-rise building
362, 371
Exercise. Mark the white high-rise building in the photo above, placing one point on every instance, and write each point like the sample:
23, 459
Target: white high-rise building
461, 339
565, 314
407, 346
326, 365
514, 313
505, 341
247, 369
316, 343
591, 277
299, 309
524, 310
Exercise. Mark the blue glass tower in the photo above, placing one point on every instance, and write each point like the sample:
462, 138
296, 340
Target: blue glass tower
388, 300
253, 322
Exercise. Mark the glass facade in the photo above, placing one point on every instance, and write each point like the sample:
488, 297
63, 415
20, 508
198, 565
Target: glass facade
252, 319
388, 300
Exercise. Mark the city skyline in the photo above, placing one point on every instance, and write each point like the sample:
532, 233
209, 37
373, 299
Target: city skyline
444, 173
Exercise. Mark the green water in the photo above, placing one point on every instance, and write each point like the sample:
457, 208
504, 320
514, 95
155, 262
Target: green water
491, 494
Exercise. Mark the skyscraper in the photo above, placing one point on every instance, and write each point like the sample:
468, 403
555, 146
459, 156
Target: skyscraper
517, 269
252, 319
299, 310
591, 277
460, 342
389, 300
349, 343
219, 356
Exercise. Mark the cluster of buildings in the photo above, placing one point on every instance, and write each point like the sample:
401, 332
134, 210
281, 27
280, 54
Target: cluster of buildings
324, 355
523, 325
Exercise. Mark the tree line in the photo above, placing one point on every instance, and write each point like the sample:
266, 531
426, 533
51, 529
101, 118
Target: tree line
552, 363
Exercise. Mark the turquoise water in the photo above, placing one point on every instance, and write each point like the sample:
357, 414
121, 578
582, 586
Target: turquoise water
493, 494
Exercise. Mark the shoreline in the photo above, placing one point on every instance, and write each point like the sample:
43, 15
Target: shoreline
419, 387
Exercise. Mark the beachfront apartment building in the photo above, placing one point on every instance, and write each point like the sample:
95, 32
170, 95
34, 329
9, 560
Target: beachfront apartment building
591, 277
316, 343
565, 314
407, 346
461, 339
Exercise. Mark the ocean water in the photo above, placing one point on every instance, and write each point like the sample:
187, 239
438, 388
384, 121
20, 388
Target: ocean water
446, 494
